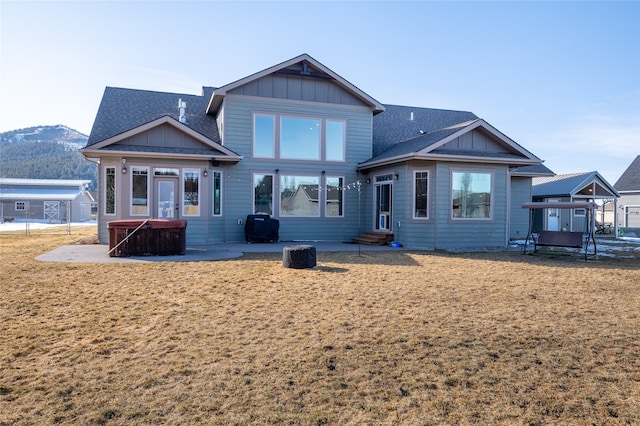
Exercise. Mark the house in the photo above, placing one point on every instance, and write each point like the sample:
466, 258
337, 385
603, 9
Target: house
584, 186
628, 185
53, 200
298, 142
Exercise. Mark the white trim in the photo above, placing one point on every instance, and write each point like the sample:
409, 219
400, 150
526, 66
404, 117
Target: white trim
115, 191
182, 192
326, 196
492, 174
413, 194
273, 188
212, 173
149, 199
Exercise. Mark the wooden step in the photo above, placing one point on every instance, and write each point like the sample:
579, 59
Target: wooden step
373, 239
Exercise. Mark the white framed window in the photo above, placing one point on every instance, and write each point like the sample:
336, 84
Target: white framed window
421, 194
110, 191
335, 140
291, 137
20, 206
191, 192
264, 136
139, 191
263, 194
216, 196
299, 138
334, 196
299, 196
471, 195
579, 212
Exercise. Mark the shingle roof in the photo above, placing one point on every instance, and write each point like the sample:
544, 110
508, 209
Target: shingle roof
394, 125
630, 179
125, 109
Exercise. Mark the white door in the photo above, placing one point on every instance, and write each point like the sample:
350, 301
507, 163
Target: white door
166, 207
553, 218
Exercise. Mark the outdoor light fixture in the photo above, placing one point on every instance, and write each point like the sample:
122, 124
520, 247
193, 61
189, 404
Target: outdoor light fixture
205, 173
124, 167
396, 176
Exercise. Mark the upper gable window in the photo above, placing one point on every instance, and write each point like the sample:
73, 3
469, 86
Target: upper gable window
335, 140
298, 138
264, 136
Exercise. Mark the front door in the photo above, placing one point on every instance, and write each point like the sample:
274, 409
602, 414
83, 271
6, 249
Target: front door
383, 197
166, 206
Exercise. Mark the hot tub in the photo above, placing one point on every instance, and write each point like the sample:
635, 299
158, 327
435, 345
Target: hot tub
147, 237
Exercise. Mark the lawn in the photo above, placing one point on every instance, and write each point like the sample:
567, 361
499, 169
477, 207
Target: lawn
398, 337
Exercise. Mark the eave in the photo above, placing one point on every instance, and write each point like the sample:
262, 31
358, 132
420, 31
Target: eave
448, 158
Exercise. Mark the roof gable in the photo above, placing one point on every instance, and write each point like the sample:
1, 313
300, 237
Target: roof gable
151, 140
571, 185
300, 67
630, 178
456, 142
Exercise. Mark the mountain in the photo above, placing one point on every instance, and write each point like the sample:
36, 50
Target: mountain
45, 152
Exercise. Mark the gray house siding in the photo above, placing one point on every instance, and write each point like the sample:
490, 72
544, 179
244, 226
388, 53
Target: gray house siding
519, 217
452, 233
238, 122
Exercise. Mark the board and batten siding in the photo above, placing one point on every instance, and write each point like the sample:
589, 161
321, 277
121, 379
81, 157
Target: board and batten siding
238, 180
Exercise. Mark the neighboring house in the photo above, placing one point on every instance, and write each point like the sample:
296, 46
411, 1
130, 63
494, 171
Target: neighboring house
628, 185
569, 188
298, 142
53, 200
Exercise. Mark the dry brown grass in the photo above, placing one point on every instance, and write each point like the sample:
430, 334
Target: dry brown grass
382, 338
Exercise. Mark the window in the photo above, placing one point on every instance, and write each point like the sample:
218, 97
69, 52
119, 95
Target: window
217, 193
161, 171
21, 206
299, 138
264, 136
579, 212
335, 141
420, 195
471, 195
299, 196
263, 194
139, 191
335, 197
191, 193
110, 191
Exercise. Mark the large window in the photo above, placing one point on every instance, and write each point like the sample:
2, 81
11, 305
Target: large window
264, 136
263, 194
191, 192
335, 140
110, 191
334, 197
139, 191
298, 138
471, 195
421, 195
299, 196
217, 193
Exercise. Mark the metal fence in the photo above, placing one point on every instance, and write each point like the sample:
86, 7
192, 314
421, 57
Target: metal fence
45, 217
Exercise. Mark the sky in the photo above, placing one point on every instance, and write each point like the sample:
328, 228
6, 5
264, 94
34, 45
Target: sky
562, 79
